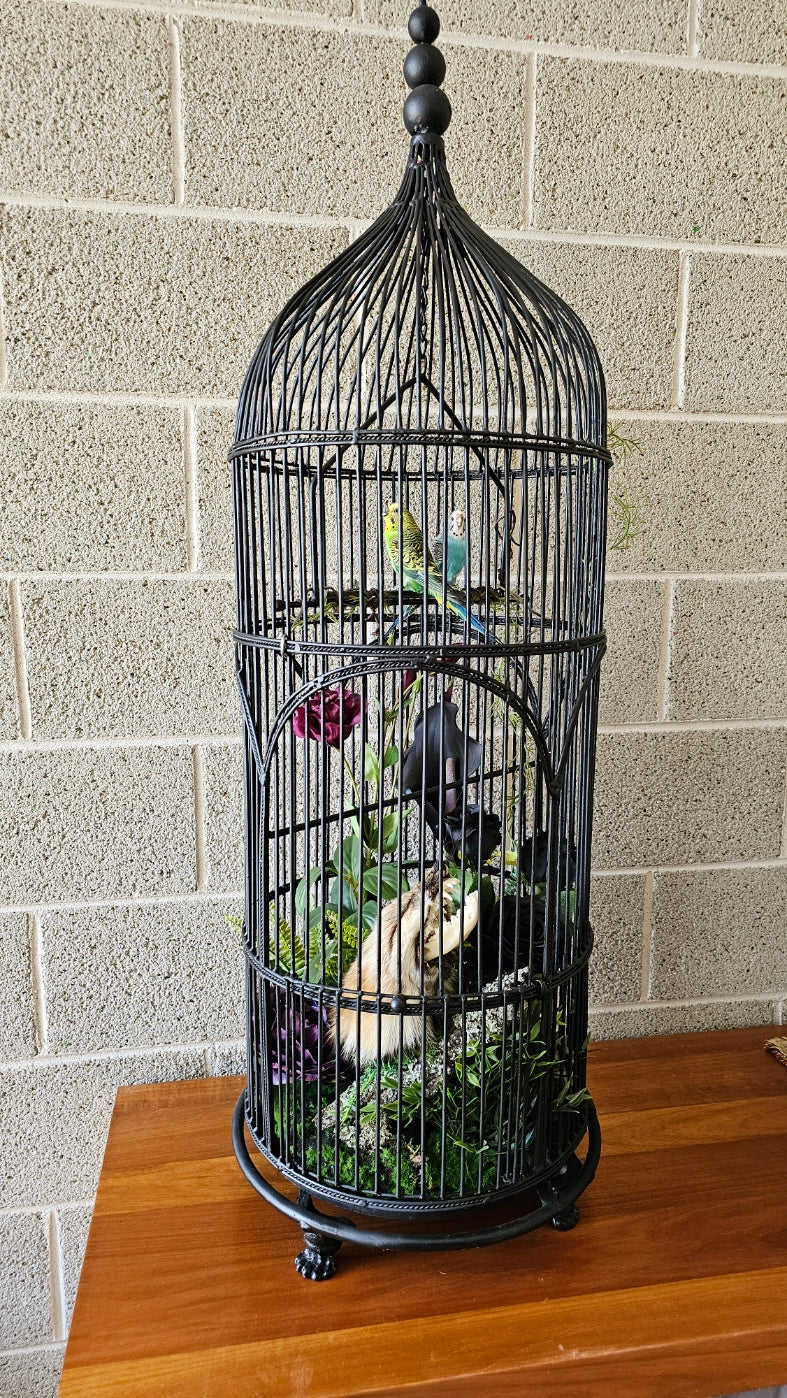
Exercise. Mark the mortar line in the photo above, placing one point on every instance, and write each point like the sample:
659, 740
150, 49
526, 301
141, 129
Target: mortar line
529, 143
233, 894
233, 740
692, 47
355, 227
184, 740
209, 1058
347, 25
117, 576
696, 415
57, 1290
110, 1055
176, 111
199, 815
110, 399
3, 350
733, 865
35, 939
753, 575
17, 621
212, 213
698, 725
17, 1209
760, 998
642, 242
678, 394
45, 1347
647, 936
784, 823
139, 900
732, 577
665, 648
343, 222
189, 437
174, 401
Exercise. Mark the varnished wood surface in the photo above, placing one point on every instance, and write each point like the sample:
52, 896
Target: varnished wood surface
674, 1283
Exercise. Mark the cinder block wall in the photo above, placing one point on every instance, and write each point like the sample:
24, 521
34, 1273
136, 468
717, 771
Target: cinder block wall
169, 173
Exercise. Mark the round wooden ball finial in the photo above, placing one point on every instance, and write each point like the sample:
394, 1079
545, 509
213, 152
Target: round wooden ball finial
424, 25
424, 64
427, 111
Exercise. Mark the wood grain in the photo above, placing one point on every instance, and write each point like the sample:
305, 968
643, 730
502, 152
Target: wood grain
673, 1283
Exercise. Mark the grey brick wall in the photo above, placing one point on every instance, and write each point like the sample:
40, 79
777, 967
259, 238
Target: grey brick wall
169, 172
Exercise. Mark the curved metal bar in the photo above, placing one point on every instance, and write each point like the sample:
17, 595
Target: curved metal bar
347, 1232
472, 439
436, 664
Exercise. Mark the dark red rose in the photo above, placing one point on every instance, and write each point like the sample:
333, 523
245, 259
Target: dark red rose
332, 714
409, 678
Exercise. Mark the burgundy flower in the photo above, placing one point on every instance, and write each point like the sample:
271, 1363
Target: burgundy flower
409, 678
331, 714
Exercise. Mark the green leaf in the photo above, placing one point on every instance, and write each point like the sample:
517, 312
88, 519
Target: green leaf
371, 767
391, 757
392, 883
390, 832
304, 888
369, 915
350, 847
349, 900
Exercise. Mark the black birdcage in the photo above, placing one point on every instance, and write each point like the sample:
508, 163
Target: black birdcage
420, 484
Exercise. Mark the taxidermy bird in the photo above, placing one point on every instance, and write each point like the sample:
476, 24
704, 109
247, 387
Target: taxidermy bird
456, 550
402, 927
414, 558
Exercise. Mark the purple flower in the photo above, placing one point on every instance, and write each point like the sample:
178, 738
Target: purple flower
331, 714
299, 1035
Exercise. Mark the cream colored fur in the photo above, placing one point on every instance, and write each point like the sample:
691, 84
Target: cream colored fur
379, 965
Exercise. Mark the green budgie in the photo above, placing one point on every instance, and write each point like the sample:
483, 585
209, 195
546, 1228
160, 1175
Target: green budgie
456, 552
414, 557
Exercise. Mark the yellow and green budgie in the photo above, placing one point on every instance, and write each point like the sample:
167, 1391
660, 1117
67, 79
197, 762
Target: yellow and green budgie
414, 557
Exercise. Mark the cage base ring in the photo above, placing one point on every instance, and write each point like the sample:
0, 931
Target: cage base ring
324, 1234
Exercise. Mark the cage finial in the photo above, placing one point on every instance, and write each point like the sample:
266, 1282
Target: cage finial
427, 110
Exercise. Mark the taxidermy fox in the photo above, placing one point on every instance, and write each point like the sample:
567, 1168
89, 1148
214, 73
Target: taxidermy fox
401, 926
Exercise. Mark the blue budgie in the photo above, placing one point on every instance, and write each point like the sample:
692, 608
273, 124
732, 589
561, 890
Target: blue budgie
456, 556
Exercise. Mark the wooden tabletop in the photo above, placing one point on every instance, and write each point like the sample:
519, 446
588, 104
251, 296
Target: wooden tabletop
674, 1282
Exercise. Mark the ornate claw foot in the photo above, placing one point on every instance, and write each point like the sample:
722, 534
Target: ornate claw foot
316, 1262
567, 1220
563, 1219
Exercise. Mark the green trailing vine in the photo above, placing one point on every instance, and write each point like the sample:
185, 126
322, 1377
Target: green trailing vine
626, 505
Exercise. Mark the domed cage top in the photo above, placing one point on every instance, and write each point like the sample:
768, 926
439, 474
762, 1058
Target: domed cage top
420, 486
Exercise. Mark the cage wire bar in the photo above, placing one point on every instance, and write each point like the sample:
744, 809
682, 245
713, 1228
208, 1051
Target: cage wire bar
420, 484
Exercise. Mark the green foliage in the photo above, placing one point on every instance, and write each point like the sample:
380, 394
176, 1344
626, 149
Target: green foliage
314, 959
626, 506
464, 1086
466, 1094
357, 879
625, 518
